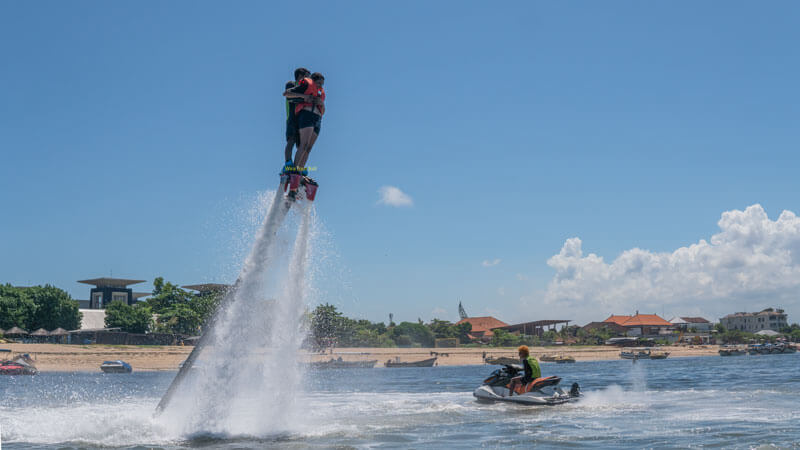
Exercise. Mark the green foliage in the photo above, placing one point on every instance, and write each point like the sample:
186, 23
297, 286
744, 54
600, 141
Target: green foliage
166, 295
417, 333
16, 308
54, 308
503, 338
36, 307
179, 319
133, 319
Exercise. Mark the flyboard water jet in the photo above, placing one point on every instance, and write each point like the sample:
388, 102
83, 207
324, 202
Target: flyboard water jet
292, 187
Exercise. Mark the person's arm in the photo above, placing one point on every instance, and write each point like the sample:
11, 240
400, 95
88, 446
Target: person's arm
298, 92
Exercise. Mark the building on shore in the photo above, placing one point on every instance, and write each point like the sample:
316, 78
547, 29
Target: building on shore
642, 324
699, 324
107, 290
768, 319
482, 327
535, 328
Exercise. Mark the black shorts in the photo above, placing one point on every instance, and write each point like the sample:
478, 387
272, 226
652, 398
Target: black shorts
306, 118
292, 131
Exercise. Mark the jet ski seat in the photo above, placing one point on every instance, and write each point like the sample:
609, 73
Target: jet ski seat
538, 384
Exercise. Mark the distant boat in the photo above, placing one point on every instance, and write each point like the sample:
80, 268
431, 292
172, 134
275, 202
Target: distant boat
731, 350
644, 354
423, 363
117, 366
21, 365
502, 361
561, 359
340, 364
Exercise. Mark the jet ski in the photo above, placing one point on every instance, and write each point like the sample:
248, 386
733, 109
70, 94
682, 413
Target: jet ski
541, 391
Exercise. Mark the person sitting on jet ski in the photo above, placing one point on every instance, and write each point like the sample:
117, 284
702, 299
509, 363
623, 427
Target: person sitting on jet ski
531, 366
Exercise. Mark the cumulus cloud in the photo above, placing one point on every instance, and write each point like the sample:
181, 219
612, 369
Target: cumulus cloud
490, 263
393, 196
501, 291
753, 262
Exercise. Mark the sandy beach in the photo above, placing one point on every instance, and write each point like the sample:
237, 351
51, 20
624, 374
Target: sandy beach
87, 358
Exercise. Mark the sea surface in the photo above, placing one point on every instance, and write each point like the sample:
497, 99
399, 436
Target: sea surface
704, 402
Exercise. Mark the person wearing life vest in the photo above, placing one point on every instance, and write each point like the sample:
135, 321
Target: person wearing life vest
531, 366
292, 132
309, 116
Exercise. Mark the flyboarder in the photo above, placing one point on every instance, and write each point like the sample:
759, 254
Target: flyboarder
309, 111
292, 132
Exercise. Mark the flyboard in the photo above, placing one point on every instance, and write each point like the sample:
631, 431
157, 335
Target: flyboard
293, 187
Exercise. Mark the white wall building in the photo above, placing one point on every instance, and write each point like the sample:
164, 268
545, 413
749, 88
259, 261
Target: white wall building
768, 319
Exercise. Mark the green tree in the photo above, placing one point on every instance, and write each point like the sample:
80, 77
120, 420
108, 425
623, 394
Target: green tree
442, 329
133, 319
17, 309
418, 333
179, 319
326, 325
54, 308
166, 295
503, 338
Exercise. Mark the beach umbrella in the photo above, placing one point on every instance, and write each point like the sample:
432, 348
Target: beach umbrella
40, 332
16, 331
58, 332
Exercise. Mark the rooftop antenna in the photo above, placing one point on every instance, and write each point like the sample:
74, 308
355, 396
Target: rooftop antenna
461, 312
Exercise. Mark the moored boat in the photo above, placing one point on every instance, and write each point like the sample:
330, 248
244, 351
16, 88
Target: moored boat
731, 350
21, 365
424, 363
117, 366
341, 364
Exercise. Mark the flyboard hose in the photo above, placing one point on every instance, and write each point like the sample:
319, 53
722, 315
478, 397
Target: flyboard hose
277, 213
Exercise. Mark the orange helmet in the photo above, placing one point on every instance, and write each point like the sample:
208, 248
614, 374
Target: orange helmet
524, 350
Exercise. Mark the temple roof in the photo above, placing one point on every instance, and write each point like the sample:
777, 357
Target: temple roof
111, 282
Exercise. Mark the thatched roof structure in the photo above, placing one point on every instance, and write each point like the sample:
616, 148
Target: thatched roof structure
59, 332
40, 332
16, 331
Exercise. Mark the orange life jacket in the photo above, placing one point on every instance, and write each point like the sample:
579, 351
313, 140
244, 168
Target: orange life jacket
316, 91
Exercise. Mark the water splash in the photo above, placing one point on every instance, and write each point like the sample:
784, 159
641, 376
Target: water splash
245, 381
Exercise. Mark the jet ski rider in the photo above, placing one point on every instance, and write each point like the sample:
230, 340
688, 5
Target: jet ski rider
531, 366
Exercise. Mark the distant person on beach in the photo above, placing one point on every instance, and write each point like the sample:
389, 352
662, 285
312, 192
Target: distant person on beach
309, 116
531, 366
292, 132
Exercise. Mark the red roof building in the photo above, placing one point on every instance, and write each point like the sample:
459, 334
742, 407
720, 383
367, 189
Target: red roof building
482, 326
641, 324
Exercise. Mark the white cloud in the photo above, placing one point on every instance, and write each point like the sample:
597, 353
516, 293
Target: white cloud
752, 263
438, 312
501, 291
522, 277
393, 196
490, 263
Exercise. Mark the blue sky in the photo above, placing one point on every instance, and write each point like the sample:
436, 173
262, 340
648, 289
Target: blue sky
129, 132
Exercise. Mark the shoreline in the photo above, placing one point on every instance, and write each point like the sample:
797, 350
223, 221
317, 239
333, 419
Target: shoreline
87, 358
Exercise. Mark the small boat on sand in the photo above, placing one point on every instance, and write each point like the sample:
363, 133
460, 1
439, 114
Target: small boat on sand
644, 354
731, 350
423, 363
117, 366
21, 365
340, 364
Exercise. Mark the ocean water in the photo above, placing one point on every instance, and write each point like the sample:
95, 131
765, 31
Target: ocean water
711, 402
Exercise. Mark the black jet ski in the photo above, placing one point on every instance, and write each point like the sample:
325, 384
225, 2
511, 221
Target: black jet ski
541, 391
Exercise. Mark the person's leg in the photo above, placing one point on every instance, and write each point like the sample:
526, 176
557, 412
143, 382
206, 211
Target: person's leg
317, 121
302, 150
287, 152
291, 137
307, 151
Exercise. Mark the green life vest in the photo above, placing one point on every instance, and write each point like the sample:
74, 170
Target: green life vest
536, 372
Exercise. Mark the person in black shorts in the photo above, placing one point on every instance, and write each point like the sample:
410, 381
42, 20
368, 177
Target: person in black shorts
309, 115
292, 131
